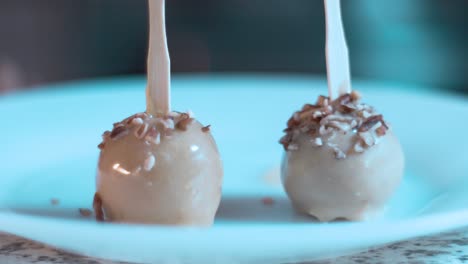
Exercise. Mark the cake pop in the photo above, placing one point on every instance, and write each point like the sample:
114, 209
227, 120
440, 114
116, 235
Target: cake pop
342, 159
159, 166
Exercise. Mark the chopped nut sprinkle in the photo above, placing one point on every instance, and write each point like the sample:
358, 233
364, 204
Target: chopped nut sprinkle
140, 132
355, 96
358, 148
370, 122
322, 101
183, 124
118, 130
85, 212
54, 201
268, 201
367, 138
206, 129
137, 121
326, 119
381, 131
106, 134
152, 129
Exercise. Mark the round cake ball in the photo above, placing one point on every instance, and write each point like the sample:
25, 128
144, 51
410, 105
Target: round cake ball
159, 170
341, 161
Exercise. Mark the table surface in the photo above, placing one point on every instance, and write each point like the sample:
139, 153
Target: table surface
444, 248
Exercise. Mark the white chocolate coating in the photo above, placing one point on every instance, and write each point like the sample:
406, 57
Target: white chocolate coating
174, 180
342, 159
355, 188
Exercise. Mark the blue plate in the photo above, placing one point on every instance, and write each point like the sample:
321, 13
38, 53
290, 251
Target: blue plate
48, 150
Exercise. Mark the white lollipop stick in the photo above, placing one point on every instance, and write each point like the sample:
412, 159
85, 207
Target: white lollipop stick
158, 92
336, 50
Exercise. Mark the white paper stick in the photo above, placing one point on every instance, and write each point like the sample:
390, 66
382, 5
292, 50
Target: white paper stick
158, 93
336, 50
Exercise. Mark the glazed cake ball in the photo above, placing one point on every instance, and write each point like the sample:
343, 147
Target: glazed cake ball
159, 169
341, 160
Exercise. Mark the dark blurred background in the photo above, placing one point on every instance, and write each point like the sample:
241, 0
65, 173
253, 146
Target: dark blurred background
419, 41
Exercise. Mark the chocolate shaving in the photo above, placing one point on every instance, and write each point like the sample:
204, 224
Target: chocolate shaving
97, 206
370, 122
206, 129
